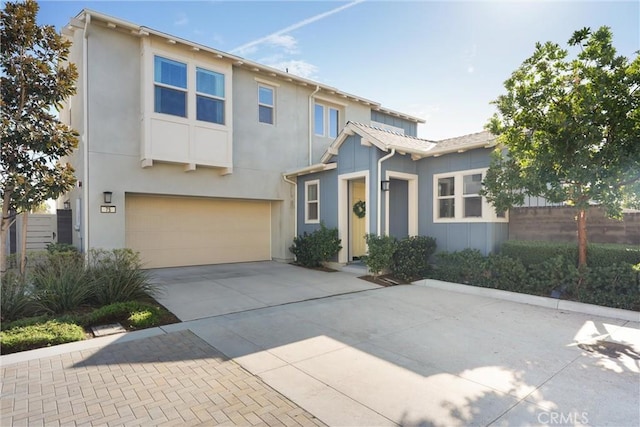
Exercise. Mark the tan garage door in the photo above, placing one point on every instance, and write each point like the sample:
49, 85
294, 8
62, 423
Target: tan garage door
179, 231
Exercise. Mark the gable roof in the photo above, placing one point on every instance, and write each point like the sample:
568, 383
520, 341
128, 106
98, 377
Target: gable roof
460, 144
419, 148
269, 72
383, 139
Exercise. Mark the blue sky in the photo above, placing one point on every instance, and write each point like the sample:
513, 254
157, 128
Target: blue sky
442, 61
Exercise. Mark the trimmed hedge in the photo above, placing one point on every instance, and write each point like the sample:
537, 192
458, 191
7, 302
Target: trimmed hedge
598, 254
615, 285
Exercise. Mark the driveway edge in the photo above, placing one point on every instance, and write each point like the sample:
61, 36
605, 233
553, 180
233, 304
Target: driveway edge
553, 303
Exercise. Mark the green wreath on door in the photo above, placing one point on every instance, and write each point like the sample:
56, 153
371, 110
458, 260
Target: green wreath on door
360, 208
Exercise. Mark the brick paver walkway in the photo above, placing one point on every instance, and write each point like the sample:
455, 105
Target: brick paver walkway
171, 379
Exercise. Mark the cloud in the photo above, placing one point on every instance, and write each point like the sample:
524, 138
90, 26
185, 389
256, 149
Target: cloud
181, 20
470, 69
243, 49
284, 41
299, 68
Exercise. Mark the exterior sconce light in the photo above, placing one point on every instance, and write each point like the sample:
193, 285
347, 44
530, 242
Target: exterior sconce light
384, 185
67, 205
107, 197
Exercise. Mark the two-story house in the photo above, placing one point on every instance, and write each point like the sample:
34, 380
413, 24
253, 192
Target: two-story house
191, 155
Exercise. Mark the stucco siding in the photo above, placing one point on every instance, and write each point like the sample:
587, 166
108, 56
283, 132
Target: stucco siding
115, 140
274, 147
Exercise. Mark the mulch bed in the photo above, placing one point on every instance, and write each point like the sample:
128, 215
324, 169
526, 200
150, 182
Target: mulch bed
384, 280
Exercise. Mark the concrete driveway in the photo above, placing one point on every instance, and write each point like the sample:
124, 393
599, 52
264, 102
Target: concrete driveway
360, 356
417, 355
211, 290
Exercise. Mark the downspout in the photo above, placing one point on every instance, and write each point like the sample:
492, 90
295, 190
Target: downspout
382, 159
84, 242
311, 114
295, 203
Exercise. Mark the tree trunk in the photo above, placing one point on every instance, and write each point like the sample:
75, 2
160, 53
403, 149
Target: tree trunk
5, 223
23, 243
582, 238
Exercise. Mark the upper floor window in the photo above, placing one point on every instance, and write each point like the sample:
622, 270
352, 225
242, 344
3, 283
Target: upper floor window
319, 119
170, 79
457, 198
334, 116
171, 91
326, 121
312, 201
209, 96
266, 104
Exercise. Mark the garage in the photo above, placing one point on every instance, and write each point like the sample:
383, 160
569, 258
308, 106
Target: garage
180, 231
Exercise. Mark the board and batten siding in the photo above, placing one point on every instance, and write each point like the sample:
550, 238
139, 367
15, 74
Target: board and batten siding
456, 236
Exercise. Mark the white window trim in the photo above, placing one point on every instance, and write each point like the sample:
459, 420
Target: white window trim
328, 131
488, 211
326, 117
260, 104
191, 92
307, 184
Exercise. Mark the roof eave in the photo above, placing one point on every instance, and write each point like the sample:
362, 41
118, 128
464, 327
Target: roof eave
240, 61
318, 167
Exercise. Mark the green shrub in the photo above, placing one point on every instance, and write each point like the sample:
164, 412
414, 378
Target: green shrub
411, 258
145, 318
616, 285
380, 255
51, 332
555, 274
53, 248
503, 272
466, 266
117, 276
144, 315
60, 283
311, 250
536, 252
605, 255
598, 254
15, 298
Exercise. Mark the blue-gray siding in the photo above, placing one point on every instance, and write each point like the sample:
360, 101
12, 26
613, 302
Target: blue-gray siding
484, 236
410, 128
398, 209
354, 157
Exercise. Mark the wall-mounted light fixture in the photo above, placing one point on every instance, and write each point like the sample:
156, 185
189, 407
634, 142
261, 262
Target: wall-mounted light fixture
107, 197
67, 205
384, 185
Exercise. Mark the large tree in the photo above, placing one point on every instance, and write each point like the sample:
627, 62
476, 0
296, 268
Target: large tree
35, 79
569, 129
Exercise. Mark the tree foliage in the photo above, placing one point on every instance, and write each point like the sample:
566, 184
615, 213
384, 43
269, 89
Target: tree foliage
35, 79
571, 128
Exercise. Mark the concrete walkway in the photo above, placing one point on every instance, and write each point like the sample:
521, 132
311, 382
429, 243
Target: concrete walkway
405, 355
